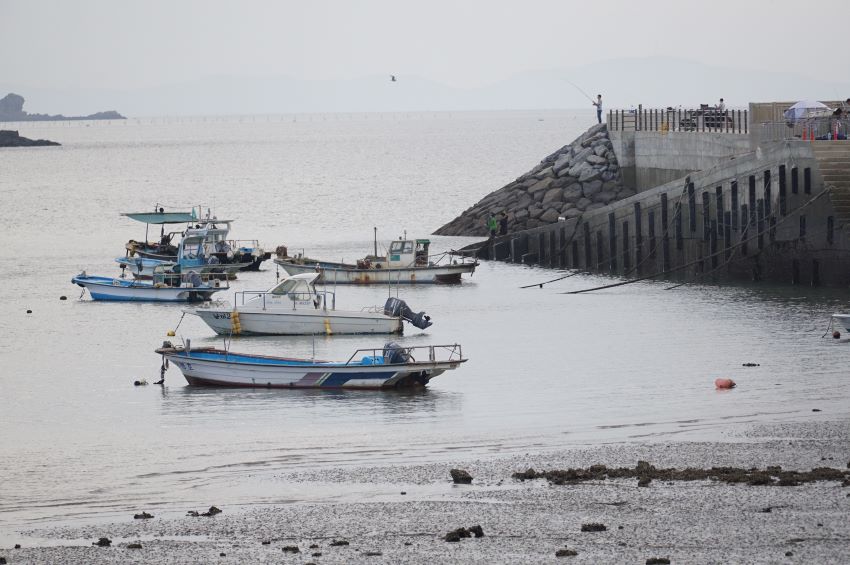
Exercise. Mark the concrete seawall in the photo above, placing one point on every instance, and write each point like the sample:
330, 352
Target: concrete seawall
727, 209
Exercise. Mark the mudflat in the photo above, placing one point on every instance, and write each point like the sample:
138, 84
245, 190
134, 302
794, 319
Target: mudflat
406, 514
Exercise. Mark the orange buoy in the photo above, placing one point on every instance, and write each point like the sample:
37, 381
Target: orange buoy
724, 383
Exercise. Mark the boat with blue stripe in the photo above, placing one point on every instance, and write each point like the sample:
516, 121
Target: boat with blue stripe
165, 286
389, 367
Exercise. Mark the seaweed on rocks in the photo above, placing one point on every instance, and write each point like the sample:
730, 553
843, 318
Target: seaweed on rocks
645, 472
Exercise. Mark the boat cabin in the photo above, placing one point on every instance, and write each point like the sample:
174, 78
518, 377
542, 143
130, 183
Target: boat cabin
405, 253
293, 292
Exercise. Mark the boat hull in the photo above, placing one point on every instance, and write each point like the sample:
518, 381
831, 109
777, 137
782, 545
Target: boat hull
143, 268
340, 273
120, 290
208, 367
256, 321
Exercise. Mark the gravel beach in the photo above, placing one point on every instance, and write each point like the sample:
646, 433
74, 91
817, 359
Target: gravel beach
401, 514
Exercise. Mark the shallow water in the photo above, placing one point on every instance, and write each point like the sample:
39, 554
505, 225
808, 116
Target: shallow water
546, 370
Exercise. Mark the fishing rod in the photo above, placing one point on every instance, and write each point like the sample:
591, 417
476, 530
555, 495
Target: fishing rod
577, 87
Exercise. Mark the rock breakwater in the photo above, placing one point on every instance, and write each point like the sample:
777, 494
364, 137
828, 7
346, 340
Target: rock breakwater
581, 176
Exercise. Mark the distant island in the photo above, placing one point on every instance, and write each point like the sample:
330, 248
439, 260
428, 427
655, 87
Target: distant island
12, 110
10, 138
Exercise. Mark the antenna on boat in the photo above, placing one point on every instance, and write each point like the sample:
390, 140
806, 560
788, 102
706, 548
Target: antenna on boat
375, 228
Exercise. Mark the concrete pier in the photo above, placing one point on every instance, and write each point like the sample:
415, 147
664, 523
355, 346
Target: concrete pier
709, 206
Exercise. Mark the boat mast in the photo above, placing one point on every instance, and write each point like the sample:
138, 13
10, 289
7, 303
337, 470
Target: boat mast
376, 240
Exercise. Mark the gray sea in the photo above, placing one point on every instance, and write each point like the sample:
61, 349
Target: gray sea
546, 370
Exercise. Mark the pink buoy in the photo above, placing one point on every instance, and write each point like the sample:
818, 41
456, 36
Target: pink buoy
724, 383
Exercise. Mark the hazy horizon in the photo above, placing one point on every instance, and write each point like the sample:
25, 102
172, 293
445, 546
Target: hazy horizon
196, 57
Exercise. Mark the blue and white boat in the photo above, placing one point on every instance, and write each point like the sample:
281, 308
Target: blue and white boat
392, 366
165, 287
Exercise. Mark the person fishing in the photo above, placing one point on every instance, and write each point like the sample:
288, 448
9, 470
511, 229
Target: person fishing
598, 104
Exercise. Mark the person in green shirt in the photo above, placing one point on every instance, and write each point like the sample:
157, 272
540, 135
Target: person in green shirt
492, 225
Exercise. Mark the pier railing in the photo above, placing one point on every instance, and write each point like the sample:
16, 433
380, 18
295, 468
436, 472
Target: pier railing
823, 128
663, 120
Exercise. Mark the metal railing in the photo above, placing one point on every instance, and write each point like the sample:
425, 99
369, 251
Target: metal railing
663, 120
810, 129
317, 299
447, 353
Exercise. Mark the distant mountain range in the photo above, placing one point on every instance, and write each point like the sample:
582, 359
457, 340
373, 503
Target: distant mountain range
653, 82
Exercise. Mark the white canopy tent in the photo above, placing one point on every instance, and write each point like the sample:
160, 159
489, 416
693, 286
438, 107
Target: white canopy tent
807, 109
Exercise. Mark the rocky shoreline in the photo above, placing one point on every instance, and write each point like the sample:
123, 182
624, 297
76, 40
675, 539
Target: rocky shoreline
581, 176
418, 514
11, 138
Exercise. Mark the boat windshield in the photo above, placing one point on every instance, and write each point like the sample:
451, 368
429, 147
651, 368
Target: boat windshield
296, 289
401, 247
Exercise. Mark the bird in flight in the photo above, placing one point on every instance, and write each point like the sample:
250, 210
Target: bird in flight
392, 78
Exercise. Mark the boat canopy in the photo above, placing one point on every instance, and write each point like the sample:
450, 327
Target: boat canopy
162, 217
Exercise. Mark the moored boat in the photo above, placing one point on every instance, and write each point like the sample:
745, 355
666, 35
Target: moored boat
392, 366
295, 307
238, 255
165, 287
407, 262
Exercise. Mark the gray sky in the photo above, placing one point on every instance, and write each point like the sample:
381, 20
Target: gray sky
461, 43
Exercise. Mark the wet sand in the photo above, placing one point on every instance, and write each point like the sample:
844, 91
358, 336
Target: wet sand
522, 521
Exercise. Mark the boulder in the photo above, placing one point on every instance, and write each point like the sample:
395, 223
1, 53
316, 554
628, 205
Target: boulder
535, 212
607, 176
588, 174
573, 192
594, 206
460, 476
554, 194
543, 184
531, 181
562, 162
605, 197
583, 154
520, 216
571, 213
550, 215
524, 201
567, 206
545, 173
601, 149
531, 224
596, 160
578, 169
591, 188
583, 203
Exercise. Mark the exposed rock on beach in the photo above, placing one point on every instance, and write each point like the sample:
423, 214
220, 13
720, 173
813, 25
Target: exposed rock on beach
578, 177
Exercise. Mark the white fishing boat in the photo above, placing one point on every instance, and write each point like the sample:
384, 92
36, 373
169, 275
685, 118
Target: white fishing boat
407, 262
392, 366
295, 307
164, 287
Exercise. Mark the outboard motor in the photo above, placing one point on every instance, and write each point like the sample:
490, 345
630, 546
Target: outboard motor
397, 307
394, 353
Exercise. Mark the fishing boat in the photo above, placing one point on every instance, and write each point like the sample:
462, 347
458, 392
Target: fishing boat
246, 253
202, 249
165, 286
407, 262
392, 366
295, 307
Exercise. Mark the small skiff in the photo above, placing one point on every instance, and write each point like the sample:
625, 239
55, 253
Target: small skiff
392, 366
